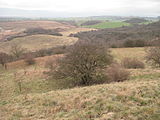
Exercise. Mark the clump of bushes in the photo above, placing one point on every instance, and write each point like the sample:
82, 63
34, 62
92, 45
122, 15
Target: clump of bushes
116, 73
153, 56
132, 63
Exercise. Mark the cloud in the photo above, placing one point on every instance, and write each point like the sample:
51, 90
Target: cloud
115, 7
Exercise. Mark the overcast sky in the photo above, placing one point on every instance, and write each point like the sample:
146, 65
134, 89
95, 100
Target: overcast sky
89, 7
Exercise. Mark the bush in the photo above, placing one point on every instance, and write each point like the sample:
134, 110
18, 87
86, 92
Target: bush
153, 56
128, 43
29, 60
82, 64
4, 58
116, 73
140, 43
132, 63
134, 43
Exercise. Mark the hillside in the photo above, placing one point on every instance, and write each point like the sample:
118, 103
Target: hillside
42, 41
9, 29
137, 98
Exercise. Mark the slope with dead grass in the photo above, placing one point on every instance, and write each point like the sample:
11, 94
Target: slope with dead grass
36, 42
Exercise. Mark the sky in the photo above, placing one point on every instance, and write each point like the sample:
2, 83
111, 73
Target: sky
87, 7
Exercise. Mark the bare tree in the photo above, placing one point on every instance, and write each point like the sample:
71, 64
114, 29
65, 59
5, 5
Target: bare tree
82, 63
17, 50
4, 58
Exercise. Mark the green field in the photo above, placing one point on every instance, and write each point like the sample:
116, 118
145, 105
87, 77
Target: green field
108, 25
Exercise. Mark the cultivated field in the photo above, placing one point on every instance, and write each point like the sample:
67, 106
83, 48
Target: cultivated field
135, 99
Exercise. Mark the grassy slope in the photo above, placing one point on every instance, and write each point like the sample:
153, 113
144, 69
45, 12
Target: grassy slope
138, 98
108, 25
131, 100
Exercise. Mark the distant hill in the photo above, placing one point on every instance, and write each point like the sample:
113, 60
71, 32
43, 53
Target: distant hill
136, 20
91, 22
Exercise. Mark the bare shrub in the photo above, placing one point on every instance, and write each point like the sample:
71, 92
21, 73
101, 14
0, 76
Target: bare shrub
81, 63
29, 60
153, 56
132, 63
17, 51
116, 73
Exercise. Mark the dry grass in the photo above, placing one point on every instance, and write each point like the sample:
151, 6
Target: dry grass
128, 101
121, 53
